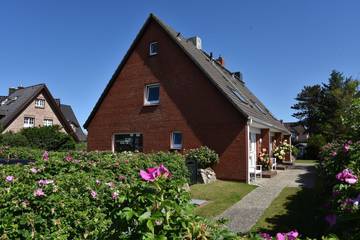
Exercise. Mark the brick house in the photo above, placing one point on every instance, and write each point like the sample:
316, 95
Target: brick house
169, 94
34, 106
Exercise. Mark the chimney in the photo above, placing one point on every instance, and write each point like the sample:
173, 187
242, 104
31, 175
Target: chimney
57, 100
221, 61
196, 41
12, 90
238, 75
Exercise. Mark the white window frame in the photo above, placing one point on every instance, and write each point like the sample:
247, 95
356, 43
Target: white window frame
29, 122
172, 144
40, 103
151, 52
146, 95
46, 122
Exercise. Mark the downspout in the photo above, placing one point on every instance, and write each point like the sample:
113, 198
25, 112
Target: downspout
248, 123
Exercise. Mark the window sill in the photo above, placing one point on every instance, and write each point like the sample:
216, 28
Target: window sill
153, 54
151, 104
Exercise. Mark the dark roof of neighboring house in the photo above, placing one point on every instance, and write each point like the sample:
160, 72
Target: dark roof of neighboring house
71, 118
222, 78
299, 129
11, 106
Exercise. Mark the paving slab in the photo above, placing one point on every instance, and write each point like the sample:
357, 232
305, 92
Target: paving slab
243, 215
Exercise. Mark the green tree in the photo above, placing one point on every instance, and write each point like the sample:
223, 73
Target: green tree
322, 108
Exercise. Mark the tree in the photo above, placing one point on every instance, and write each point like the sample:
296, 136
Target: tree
322, 108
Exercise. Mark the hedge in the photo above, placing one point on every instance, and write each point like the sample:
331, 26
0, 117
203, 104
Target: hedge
99, 195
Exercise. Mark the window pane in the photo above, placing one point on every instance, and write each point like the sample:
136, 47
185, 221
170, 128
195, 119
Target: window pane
154, 47
153, 93
177, 138
128, 142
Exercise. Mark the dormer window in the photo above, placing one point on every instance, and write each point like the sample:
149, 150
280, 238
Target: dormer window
152, 94
153, 48
40, 103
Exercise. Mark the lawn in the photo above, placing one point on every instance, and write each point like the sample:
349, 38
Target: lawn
294, 208
306, 161
220, 194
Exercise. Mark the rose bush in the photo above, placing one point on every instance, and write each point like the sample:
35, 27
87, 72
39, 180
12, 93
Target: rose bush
282, 150
340, 169
99, 195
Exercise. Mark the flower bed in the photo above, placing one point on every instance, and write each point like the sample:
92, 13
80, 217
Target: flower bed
99, 195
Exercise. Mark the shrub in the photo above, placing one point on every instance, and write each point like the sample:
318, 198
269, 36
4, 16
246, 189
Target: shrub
283, 149
315, 143
100, 195
48, 138
204, 156
13, 140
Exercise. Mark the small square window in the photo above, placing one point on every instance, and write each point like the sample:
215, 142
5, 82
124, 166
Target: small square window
48, 122
152, 94
40, 103
29, 122
176, 140
153, 48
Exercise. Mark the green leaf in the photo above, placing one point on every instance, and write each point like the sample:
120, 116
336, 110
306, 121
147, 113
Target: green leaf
144, 216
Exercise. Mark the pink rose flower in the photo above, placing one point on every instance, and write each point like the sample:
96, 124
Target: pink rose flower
93, 194
110, 184
39, 193
45, 156
346, 147
347, 176
34, 170
333, 153
98, 182
9, 178
151, 174
292, 235
68, 158
114, 195
280, 236
44, 182
265, 236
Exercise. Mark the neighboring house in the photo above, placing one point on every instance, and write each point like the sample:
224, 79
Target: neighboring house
169, 94
298, 132
34, 106
299, 137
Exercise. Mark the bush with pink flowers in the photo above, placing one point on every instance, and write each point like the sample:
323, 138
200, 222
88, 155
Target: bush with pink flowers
100, 195
340, 168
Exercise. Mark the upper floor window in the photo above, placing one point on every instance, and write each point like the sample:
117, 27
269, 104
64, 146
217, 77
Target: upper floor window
40, 103
176, 140
153, 48
29, 122
152, 94
48, 122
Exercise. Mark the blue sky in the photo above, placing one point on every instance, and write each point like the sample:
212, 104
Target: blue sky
279, 46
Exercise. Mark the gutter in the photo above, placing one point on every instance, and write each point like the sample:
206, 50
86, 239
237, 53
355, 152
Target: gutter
252, 119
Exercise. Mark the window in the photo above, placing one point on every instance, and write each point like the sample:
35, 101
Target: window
128, 142
176, 140
153, 48
259, 108
239, 95
152, 94
29, 122
40, 103
48, 122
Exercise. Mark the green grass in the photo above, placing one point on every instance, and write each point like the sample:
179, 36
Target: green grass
220, 194
306, 161
294, 208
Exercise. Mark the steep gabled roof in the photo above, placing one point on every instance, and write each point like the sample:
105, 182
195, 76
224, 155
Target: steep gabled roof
230, 86
15, 103
71, 118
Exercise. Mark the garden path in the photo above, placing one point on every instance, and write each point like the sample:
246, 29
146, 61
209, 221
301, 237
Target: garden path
244, 214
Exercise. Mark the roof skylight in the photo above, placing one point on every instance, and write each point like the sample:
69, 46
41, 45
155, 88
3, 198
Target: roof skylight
238, 95
259, 108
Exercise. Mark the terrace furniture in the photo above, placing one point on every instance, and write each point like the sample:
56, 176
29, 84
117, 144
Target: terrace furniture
256, 170
273, 163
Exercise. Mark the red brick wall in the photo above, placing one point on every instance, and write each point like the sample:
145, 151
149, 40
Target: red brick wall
188, 103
